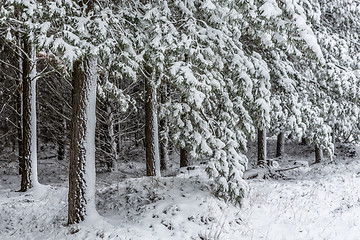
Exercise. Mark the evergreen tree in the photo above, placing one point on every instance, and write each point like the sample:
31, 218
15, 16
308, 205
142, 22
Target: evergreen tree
79, 38
22, 23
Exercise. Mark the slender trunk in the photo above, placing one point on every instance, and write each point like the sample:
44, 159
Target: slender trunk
280, 144
151, 131
119, 139
334, 136
164, 135
29, 160
19, 127
61, 147
113, 150
14, 137
62, 137
164, 154
318, 154
19, 115
81, 198
184, 161
261, 147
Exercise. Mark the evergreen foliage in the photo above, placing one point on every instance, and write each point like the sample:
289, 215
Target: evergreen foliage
221, 69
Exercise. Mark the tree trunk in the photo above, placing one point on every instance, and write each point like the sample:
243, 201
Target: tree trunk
333, 135
61, 148
19, 116
164, 136
19, 127
184, 161
14, 138
81, 198
113, 148
318, 154
62, 138
119, 139
261, 146
29, 160
151, 130
164, 154
280, 144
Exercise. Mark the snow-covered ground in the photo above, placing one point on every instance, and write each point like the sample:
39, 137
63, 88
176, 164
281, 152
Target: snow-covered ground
319, 202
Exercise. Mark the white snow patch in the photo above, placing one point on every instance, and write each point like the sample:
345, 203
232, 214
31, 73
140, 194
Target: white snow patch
270, 9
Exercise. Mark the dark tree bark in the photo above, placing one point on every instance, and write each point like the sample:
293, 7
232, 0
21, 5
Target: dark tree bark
119, 138
164, 154
62, 137
164, 138
61, 149
19, 116
112, 138
82, 146
15, 117
25, 163
318, 154
19, 128
280, 144
261, 146
28, 163
333, 135
184, 161
151, 129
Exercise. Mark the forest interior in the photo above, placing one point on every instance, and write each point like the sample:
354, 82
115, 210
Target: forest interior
196, 119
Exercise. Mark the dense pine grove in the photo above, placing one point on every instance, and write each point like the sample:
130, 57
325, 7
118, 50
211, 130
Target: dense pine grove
104, 82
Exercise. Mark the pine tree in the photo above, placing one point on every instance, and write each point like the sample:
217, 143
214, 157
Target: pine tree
22, 23
81, 41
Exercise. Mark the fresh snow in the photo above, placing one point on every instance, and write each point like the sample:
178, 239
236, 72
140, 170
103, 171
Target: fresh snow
270, 9
312, 202
89, 144
33, 119
156, 137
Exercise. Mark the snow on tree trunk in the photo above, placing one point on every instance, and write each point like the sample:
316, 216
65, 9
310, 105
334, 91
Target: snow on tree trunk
261, 146
19, 126
333, 135
184, 161
318, 154
119, 139
33, 145
156, 139
19, 109
164, 145
280, 144
81, 199
113, 150
29, 162
151, 131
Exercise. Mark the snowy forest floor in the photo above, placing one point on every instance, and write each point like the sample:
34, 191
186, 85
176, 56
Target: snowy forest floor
317, 202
